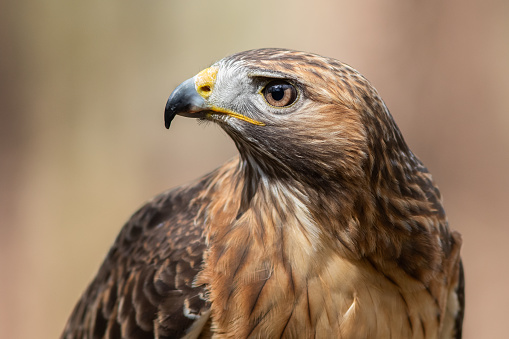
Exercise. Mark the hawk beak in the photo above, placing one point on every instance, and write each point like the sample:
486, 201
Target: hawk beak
184, 100
189, 99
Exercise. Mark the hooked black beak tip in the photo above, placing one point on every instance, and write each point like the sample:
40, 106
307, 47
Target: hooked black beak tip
183, 100
169, 114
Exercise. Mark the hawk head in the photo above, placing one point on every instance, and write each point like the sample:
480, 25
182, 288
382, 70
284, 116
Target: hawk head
293, 114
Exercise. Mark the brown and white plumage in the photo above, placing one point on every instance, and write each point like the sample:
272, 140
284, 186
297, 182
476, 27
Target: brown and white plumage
325, 226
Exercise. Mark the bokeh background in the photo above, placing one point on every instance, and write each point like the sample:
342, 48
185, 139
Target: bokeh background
83, 87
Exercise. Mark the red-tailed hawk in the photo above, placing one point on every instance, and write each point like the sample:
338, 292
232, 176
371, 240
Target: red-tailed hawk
326, 225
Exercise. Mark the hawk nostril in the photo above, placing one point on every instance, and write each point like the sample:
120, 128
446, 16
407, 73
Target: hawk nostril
205, 80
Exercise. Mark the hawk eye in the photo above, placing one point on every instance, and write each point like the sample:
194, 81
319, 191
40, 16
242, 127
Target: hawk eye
279, 93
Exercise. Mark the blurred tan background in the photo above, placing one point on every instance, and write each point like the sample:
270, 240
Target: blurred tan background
82, 92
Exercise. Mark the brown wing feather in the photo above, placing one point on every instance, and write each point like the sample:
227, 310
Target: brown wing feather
460, 291
144, 288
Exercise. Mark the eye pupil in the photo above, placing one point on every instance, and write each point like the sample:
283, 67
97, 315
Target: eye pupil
280, 93
277, 92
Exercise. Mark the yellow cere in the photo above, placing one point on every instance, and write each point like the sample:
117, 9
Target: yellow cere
205, 81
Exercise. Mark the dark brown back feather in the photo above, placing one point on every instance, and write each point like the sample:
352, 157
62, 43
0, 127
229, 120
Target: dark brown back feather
460, 291
144, 288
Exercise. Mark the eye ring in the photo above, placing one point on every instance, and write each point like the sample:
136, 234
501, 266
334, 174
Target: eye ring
280, 93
